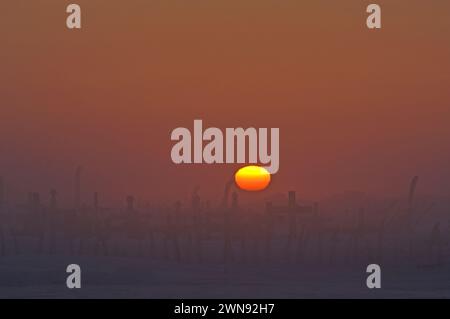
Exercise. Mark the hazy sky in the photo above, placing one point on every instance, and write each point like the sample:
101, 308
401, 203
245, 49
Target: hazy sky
357, 109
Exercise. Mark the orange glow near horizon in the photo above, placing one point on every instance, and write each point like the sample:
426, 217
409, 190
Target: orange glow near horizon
252, 178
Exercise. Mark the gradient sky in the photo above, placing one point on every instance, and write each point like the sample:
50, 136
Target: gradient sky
357, 109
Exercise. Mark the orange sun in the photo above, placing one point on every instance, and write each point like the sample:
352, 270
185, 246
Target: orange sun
252, 178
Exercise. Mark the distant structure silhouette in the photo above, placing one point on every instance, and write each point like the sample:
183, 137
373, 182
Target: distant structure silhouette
296, 215
77, 188
2, 194
53, 200
130, 204
96, 207
226, 194
231, 232
36, 202
2, 209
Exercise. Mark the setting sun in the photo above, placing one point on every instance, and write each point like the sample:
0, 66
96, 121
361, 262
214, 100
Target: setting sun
252, 178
